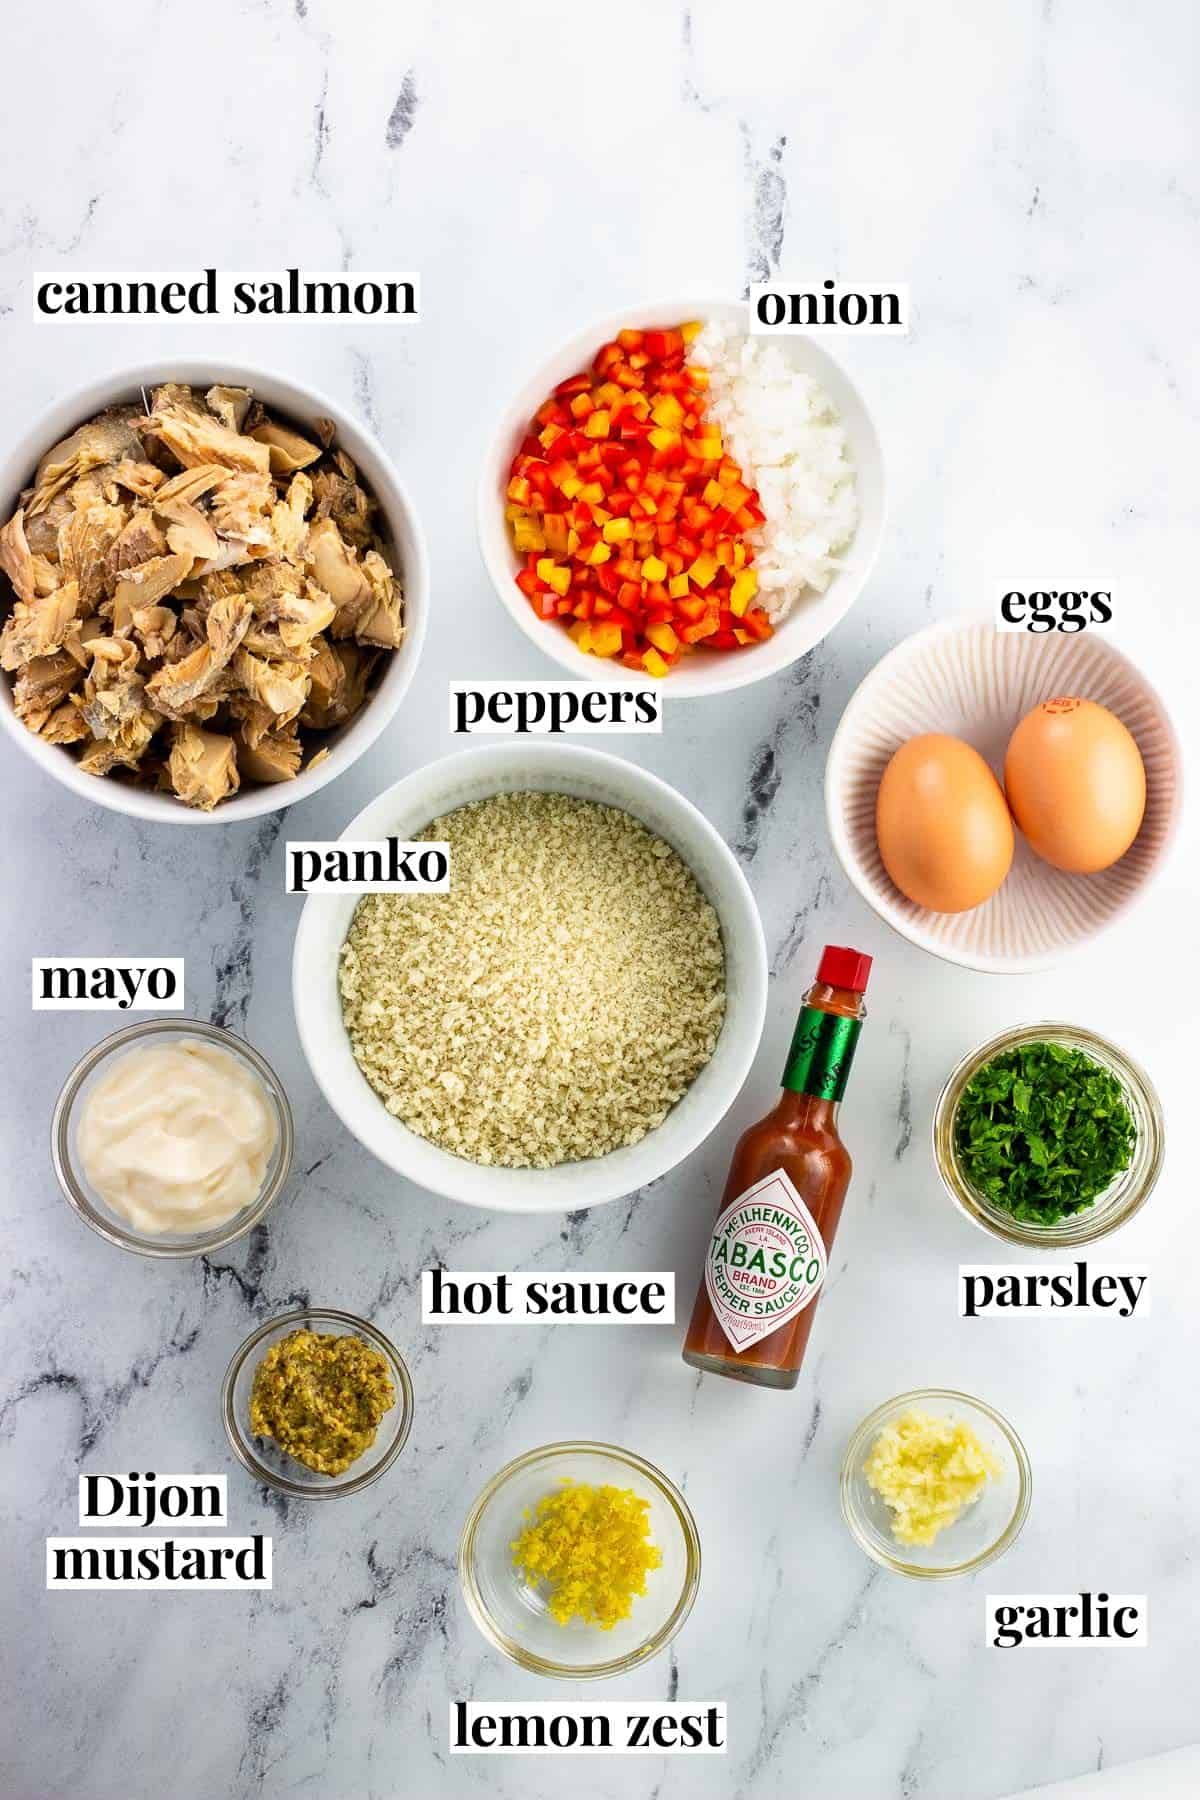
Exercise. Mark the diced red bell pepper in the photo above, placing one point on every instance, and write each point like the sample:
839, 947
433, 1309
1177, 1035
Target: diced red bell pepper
630, 513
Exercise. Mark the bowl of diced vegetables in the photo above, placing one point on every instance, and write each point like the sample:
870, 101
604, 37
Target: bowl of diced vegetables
670, 501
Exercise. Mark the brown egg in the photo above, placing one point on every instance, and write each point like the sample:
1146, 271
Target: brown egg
1076, 784
943, 828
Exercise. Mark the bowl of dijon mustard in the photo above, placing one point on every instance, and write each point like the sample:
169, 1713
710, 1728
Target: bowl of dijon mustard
317, 1403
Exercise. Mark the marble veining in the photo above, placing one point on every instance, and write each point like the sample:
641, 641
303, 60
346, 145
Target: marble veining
1031, 174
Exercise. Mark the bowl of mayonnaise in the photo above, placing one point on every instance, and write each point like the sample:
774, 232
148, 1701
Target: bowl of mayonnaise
172, 1137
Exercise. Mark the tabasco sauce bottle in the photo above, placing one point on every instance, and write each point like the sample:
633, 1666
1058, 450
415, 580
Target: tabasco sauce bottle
768, 1251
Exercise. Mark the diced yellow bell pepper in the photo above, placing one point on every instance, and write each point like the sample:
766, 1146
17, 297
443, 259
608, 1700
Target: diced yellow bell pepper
663, 638
691, 330
653, 663
704, 568
677, 587
606, 639
557, 531
617, 530
745, 586
667, 411
654, 569
596, 424
598, 553
581, 631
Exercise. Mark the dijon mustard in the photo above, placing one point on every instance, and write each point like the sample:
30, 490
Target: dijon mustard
321, 1397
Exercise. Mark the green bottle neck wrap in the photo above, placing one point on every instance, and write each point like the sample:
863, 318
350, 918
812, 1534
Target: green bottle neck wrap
823, 1046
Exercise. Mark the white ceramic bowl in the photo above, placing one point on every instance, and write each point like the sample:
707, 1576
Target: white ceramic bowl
400, 528
591, 775
966, 678
706, 672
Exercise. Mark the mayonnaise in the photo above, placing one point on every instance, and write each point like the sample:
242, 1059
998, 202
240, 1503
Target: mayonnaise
177, 1136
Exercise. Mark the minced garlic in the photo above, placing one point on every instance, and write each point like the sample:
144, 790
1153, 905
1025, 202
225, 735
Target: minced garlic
928, 1470
589, 1549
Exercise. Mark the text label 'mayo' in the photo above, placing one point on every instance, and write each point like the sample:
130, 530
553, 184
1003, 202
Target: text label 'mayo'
107, 984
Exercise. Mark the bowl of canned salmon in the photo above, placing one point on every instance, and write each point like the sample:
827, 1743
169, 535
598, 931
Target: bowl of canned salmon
673, 501
571, 1017
213, 591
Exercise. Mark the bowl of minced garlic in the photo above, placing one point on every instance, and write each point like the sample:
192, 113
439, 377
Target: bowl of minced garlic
935, 1483
579, 1560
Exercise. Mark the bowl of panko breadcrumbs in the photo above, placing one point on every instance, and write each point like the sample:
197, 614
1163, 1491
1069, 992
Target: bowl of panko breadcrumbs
566, 1023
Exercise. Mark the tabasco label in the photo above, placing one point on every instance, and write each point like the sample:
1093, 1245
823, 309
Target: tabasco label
765, 1261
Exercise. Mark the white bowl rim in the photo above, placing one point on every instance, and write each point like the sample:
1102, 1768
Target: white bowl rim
915, 934
733, 670
70, 409
453, 1177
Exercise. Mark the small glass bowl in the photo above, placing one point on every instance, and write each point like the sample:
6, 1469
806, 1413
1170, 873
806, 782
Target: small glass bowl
263, 1458
1120, 1200
983, 1531
514, 1617
88, 1204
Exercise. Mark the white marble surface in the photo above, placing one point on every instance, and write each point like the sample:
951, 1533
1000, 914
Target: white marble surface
1030, 171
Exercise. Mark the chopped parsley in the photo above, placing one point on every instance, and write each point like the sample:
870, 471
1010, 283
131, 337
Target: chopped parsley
1041, 1131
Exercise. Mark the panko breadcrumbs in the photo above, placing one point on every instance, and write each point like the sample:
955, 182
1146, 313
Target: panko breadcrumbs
556, 1003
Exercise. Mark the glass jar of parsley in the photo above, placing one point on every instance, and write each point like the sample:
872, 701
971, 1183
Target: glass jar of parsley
1048, 1135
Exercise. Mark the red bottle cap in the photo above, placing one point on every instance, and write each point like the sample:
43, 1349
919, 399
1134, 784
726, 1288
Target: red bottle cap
844, 968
